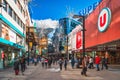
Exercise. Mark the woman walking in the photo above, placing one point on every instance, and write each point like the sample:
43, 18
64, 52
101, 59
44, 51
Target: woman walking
16, 67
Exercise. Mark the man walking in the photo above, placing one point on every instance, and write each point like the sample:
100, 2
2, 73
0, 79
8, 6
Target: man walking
97, 62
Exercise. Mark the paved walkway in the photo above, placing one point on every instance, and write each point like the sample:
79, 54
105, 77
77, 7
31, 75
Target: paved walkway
38, 73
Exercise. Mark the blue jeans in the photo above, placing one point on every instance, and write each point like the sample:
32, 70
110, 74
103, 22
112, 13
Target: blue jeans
97, 66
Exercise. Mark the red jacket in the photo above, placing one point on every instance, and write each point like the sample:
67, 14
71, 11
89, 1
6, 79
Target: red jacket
97, 60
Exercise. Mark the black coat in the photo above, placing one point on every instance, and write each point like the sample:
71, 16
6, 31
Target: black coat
16, 65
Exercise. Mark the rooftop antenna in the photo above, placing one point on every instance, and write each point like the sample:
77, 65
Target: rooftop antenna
69, 12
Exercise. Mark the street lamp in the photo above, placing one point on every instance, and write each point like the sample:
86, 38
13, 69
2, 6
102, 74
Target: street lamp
29, 41
83, 30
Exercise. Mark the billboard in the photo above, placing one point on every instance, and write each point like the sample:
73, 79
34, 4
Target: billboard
8, 34
99, 28
79, 40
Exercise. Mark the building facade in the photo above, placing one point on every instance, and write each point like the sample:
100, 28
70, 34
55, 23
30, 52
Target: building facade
13, 21
102, 31
43, 45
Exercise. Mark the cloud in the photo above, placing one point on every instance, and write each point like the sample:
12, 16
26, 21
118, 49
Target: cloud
46, 27
47, 23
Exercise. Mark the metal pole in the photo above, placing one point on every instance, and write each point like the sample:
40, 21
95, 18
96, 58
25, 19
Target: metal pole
28, 45
67, 49
83, 35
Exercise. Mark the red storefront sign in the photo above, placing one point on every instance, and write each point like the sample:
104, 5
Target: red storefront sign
79, 40
104, 19
93, 36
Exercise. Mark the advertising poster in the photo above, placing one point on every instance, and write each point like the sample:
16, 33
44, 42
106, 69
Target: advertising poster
8, 34
79, 40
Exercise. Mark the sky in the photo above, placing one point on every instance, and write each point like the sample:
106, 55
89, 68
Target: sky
48, 12
56, 9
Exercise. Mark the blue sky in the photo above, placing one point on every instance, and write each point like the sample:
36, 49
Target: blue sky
46, 13
56, 9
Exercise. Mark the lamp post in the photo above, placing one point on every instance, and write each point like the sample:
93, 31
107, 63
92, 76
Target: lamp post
28, 45
83, 31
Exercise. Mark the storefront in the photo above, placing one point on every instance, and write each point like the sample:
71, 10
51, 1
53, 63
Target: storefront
103, 31
10, 45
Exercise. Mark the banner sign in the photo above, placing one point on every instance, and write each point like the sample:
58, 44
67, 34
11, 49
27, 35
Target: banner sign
79, 40
104, 19
89, 9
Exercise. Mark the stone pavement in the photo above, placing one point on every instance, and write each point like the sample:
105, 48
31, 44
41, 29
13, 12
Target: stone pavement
9, 74
74, 74
38, 73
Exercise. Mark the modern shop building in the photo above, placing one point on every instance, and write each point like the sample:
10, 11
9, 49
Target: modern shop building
102, 35
14, 17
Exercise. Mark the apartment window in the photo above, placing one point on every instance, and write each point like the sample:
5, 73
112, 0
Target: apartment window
20, 23
10, 11
23, 27
5, 3
21, 9
15, 1
14, 16
24, 13
16, 19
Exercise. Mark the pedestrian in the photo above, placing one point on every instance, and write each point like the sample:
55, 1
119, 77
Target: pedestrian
90, 63
35, 60
97, 62
72, 62
84, 66
53, 60
16, 66
104, 63
49, 62
46, 62
42, 61
60, 62
65, 63
22, 62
